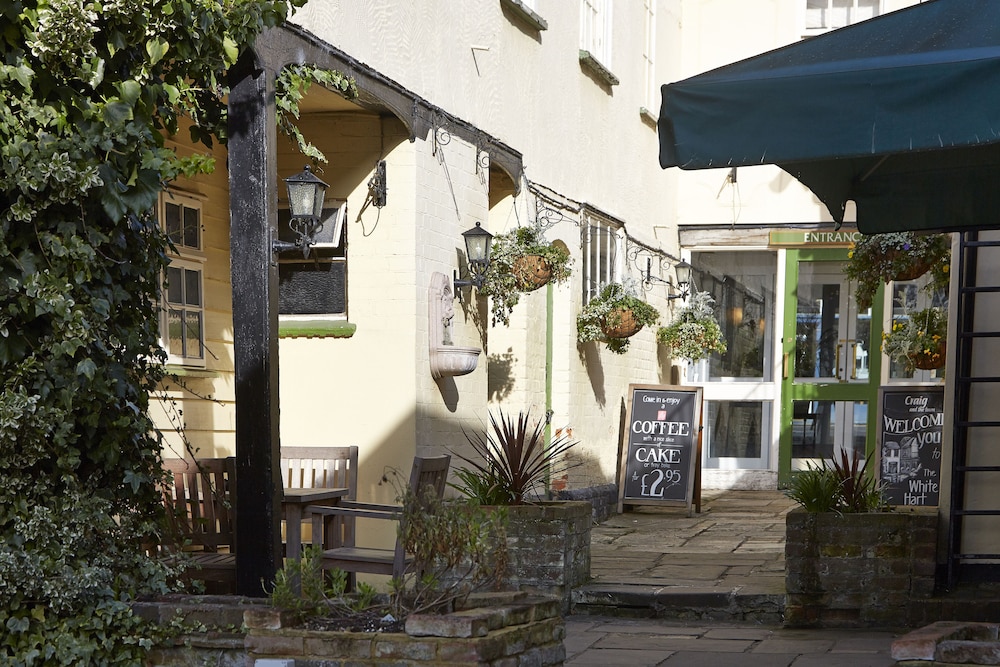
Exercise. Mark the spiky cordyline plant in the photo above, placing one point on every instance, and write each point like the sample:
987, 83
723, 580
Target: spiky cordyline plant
515, 459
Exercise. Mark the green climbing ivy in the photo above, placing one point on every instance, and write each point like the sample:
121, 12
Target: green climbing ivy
90, 90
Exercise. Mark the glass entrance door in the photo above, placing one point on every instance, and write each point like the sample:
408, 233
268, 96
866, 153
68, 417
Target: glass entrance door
830, 366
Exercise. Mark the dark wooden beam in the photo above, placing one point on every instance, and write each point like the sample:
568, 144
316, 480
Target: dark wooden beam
253, 219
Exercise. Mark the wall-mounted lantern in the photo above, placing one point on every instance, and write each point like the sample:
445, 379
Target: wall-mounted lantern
306, 194
683, 272
477, 251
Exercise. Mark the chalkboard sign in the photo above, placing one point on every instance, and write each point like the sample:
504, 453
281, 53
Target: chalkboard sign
909, 443
659, 451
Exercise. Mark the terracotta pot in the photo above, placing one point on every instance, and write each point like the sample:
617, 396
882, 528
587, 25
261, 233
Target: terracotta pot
621, 325
927, 362
531, 272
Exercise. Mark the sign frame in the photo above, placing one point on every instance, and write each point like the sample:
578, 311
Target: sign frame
907, 466
686, 439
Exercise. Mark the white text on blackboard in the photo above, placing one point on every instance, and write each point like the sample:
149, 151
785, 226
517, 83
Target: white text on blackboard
909, 425
657, 455
661, 428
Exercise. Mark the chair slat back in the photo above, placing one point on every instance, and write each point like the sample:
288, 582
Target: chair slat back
321, 468
428, 477
199, 502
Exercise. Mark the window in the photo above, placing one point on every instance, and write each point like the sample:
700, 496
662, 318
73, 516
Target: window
316, 285
824, 15
742, 284
908, 297
595, 38
648, 55
527, 11
183, 325
602, 245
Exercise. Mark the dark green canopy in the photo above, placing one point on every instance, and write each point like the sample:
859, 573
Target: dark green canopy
900, 113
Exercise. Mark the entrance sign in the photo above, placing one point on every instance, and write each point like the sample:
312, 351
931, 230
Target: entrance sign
909, 443
659, 455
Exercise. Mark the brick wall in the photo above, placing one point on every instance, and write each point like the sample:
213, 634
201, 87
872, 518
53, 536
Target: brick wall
858, 570
549, 548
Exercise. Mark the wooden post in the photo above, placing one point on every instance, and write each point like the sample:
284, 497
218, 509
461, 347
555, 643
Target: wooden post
253, 221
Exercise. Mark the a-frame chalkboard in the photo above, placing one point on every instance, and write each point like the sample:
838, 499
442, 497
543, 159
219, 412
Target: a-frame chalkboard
659, 453
911, 421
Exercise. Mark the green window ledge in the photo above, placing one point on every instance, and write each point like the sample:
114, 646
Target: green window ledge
318, 328
189, 372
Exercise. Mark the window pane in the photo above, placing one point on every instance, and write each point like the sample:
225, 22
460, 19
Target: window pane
192, 334
173, 223
312, 288
192, 228
840, 13
192, 288
735, 429
175, 334
175, 285
742, 284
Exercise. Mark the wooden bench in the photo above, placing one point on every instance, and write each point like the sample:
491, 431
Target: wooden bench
199, 505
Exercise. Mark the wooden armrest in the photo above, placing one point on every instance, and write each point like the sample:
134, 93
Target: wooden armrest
358, 512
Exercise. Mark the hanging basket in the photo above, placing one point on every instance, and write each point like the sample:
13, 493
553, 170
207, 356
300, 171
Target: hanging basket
620, 323
928, 361
531, 272
917, 267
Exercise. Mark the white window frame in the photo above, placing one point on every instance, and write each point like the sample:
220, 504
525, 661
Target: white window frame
187, 258
852, 19
649, 58
609, 238
595, 30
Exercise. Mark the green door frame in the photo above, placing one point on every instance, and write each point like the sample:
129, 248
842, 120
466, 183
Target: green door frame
826, 391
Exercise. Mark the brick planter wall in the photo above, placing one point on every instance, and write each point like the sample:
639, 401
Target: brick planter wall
521, 631
858, 570
500, 630
549, 548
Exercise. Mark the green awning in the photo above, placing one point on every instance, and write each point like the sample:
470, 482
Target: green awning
900, 113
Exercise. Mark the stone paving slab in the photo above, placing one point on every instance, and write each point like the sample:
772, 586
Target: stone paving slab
610, 641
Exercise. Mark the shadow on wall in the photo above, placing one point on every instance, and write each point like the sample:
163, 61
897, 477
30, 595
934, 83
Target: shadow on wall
500, 379
591, 358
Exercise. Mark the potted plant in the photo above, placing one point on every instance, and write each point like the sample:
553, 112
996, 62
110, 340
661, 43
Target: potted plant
612, 317
694, 333
849, 560
521, 261
548, 548
918, 340
880, 258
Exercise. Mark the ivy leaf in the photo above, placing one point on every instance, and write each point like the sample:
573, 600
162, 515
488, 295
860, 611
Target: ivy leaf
87, 368
232, 50
156, 49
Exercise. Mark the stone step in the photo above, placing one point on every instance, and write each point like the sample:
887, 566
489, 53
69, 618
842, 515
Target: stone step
681, 603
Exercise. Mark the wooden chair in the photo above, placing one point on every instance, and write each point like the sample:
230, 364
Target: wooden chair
324, 468
429, 472
200, 514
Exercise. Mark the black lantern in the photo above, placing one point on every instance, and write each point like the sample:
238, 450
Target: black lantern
477, 250
306, 194
683, 272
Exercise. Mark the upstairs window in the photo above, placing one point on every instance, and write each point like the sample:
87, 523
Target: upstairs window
595, 38
824, 15
652, 88
182, 328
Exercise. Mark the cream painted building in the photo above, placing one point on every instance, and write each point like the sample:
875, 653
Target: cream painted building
505, 113
512, 113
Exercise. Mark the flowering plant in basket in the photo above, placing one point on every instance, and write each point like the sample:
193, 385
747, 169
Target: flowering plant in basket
521, 261
694, 332
918, 340
880, 258
612, 317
